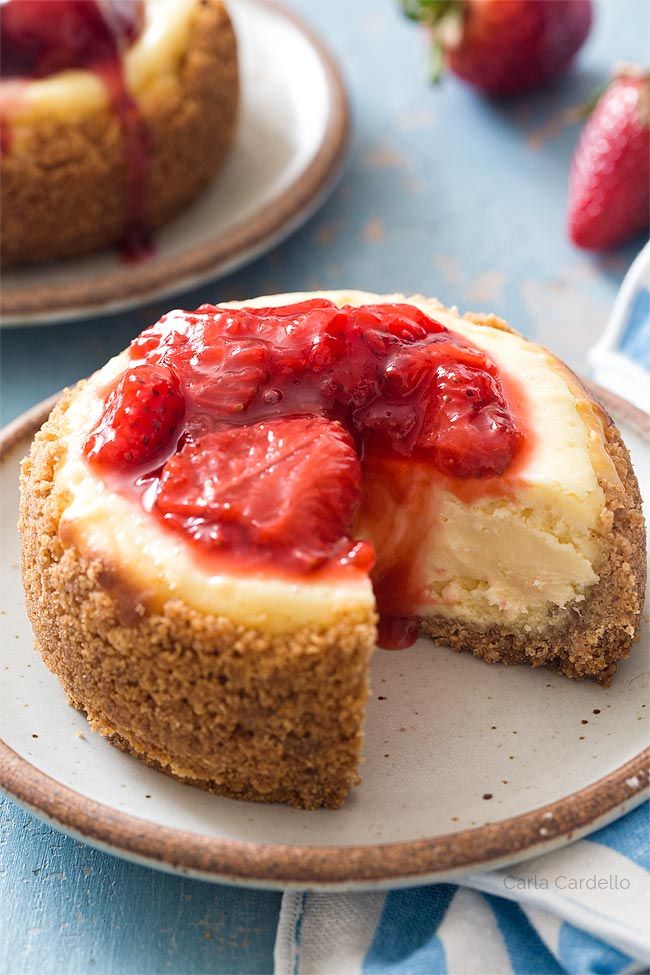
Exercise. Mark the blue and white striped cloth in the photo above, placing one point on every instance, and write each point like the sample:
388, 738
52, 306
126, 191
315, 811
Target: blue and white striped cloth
584, 910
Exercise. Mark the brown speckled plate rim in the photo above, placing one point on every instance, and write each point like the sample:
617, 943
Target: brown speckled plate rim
132, 284
325, 867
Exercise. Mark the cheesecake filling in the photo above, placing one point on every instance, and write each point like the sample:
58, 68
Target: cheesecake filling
505, 548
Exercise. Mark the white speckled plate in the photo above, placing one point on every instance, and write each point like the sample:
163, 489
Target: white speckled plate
288, 153
467, 766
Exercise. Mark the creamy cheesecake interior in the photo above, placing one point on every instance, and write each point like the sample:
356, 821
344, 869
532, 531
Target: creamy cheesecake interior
514, 557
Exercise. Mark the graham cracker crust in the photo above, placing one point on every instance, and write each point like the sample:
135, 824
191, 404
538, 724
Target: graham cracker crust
63, 186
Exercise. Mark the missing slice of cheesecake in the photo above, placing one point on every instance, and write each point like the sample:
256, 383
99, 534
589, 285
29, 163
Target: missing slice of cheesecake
211, 522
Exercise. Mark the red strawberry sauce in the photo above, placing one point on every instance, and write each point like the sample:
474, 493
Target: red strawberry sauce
41, 37
259, 433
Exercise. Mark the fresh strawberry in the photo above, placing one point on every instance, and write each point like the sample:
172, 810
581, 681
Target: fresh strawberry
290, 484
141, 415
609, 187
503, 47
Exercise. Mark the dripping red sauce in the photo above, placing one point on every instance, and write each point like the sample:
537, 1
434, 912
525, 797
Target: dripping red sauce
41, 37
269, 437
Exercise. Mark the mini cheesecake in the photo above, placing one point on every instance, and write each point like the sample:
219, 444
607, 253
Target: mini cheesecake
114, 116
219, 526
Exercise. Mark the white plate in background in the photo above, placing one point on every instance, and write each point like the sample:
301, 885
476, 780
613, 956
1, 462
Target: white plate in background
288, 152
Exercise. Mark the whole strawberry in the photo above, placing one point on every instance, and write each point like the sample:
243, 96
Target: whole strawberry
609, 186
503, 47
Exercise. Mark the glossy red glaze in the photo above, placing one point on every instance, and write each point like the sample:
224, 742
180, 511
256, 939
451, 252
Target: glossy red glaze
284, 490
397, 632
141, 415
41, 37
284, 410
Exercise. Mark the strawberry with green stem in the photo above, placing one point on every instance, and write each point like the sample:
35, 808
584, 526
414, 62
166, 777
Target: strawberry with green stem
503, 47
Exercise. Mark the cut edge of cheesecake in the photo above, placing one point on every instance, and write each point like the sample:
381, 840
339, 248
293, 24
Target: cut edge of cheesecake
287, 726
288, 722
587, 638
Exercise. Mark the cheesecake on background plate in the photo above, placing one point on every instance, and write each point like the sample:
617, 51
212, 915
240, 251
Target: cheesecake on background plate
114, 115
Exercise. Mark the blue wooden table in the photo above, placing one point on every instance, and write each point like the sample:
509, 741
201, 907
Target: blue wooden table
444, 194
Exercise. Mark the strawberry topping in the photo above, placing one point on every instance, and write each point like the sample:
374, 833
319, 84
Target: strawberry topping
288, 488
470, 433
248, 430
140, 417
41, 37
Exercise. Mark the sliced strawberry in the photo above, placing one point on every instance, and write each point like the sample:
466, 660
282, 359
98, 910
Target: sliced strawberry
140, 417
309, 335
287, 484
226, 376
397, 424
386, 326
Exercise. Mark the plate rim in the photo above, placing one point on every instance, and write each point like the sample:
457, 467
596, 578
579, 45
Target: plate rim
132, 285
359, 866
